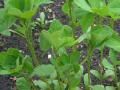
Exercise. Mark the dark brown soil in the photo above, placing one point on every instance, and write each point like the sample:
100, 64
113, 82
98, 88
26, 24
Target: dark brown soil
16, 42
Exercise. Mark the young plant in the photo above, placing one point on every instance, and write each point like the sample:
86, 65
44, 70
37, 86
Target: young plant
65, 71
96, 34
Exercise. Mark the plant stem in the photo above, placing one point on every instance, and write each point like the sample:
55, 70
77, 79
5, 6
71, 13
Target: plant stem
59, 80
70, 12
112, 23
58, 76
90, 51
30, 44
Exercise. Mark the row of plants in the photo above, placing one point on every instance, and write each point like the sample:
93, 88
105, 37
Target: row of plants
65, 70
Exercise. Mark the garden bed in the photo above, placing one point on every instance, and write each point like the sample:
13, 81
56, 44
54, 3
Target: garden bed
52, 11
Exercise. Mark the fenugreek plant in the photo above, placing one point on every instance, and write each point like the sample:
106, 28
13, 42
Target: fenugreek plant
65, 70
90, 14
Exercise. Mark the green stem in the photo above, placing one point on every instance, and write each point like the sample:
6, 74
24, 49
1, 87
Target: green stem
30, 44
59, 79
70, 12
90, 51
112, 23
58, 76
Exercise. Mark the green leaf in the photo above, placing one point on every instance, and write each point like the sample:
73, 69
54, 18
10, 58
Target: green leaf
42, 18
11, 61
109, 73
9, 58
63, 59
113, 43
83, 4
6, 33
107, 65
75, 57
56, 85
85, 25
110, 88
84, 36
114, 7
113, 57
44, 71
22, 84
4, 72
55, 26
39, 2
75, 88
67, 31
58, 36
45, 40
74, 82
118, 84
65, 8
42, 85
22, 5
79, 12
95, 73
86, 80
65, 68
99, 7
24, 9
28, 64
100, 34
76, 77
6, 22
96, 4
98, 87
24, 15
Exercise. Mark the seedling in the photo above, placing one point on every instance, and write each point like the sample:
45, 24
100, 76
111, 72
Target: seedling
65, 70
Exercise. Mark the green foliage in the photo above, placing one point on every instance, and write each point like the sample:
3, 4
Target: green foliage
98, 87
5, 22
65, 70
13, 62
57, 36
86, 80
99, 34
83, 4
113, 43
95, 73
89, 18
25, 9
22, 84
44, 71
113, 57
110, 88
109, 73
22, 9
114, 8
101, 87
40, 84
107, 65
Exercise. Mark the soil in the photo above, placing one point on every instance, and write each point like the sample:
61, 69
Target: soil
52, 11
